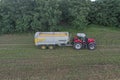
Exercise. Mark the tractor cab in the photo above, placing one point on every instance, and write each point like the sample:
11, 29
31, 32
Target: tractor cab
80, 37
81, 41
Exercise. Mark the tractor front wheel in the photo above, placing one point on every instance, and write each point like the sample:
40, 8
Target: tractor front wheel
77, 46
91, 46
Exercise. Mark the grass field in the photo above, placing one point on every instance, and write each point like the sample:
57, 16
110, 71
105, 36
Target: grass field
21, 60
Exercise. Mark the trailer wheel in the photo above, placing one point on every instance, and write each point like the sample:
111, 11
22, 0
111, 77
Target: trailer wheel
43, 47
77, 46
51, 47
91, 46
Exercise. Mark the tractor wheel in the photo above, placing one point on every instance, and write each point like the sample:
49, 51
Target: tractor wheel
77, 46
43, 47
91, 46
51, 47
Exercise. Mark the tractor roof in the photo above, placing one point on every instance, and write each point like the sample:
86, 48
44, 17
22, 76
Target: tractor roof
81, 34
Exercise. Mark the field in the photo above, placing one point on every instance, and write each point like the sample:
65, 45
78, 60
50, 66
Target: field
21, 60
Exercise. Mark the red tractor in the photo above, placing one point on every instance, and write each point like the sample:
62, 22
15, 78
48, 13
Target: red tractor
81, 41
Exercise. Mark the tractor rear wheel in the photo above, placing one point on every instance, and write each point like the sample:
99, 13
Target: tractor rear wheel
77, 46
91, 46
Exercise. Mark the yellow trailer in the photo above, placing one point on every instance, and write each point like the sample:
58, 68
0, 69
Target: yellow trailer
49, 39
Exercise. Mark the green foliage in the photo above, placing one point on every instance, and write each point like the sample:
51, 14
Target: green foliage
75, 12
29, 15
80, 12
105, 12
49, 15
13, 16
41, 15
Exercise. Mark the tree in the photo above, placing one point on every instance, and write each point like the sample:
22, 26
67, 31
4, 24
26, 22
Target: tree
48, 14
105, 12
75, 12
15, 15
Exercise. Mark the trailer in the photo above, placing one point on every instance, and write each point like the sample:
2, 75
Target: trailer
52, 39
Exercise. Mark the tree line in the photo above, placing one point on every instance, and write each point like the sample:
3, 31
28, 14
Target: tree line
48, 15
